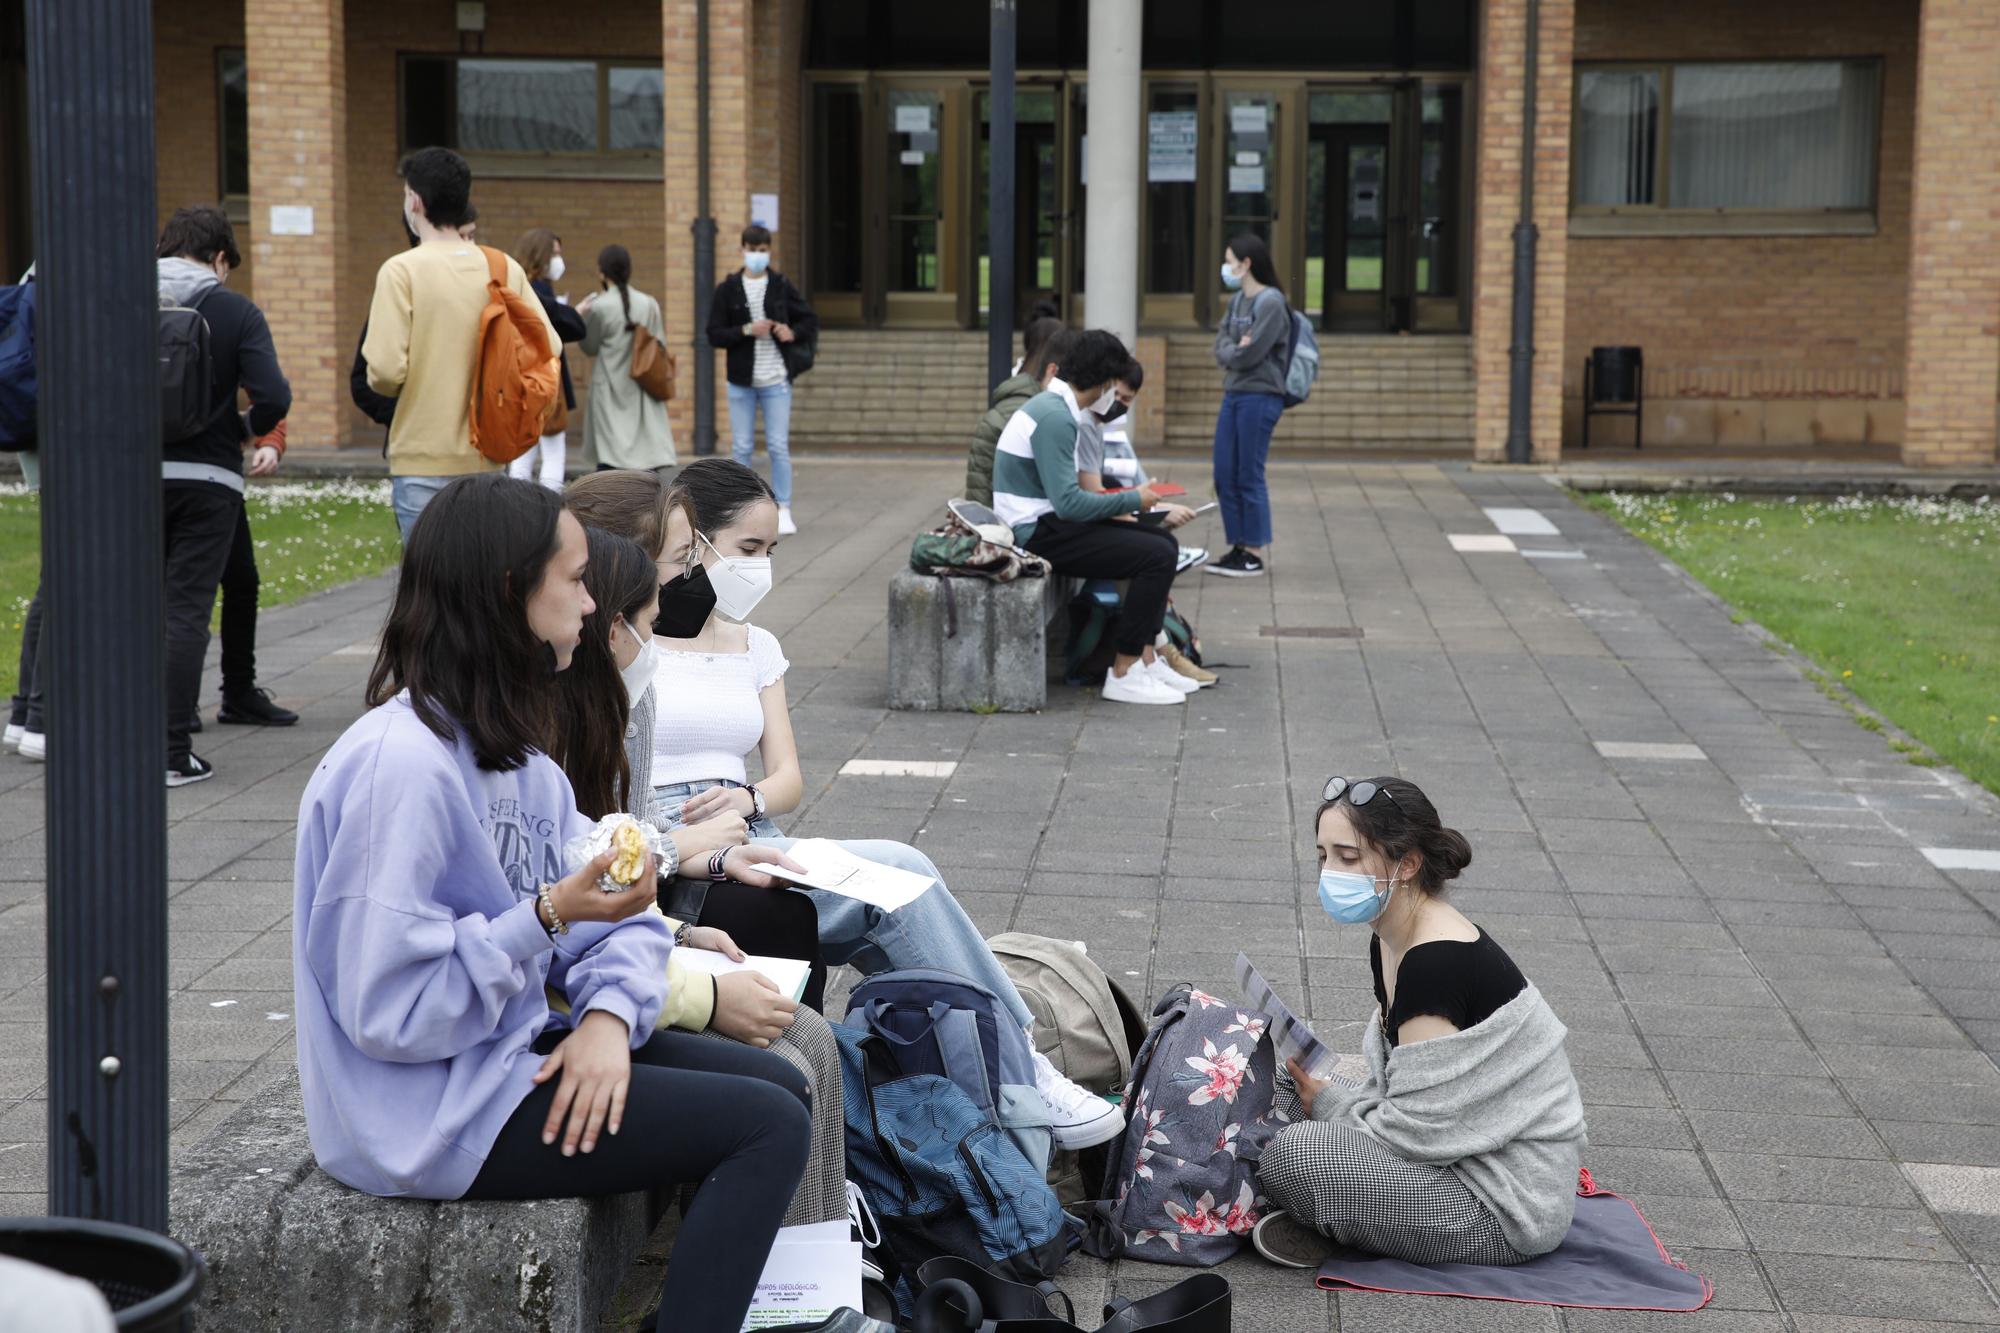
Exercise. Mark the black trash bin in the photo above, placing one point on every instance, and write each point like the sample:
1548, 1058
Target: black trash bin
151, 1282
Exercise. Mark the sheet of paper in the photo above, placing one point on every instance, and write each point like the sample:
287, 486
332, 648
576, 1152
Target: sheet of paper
832, 867
1289, 1033
812, 1271
913, 119
1171, 137
1246, 180
787, 974
764, 210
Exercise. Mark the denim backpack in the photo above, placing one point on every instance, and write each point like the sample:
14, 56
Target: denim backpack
939, 1176
1181, 1187
936, 1022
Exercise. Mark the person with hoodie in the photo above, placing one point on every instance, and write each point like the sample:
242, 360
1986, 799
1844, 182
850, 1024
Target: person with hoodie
1462, 1144
203, 474
769, 332
436, 906
1041, 343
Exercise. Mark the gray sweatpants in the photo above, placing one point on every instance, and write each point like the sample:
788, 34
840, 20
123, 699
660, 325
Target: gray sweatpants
1343, 1182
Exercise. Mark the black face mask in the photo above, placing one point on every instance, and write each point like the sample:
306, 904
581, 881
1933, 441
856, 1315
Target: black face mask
686, 603
1117, 411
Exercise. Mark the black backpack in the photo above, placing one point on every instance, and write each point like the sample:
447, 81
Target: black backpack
187, 372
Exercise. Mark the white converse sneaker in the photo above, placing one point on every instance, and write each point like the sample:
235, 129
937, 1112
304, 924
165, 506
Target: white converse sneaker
34, 746
1139, 686
1082, 1118
786, 527
1172, 679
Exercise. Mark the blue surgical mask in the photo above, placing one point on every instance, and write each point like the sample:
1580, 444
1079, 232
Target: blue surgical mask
1230, 277
756, 261
1350, 897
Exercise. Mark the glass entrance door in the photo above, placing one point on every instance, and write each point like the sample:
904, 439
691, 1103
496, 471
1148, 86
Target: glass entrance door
918, 133
1382, 225
1041, 210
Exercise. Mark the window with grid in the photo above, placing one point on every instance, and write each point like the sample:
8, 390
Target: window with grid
520, 112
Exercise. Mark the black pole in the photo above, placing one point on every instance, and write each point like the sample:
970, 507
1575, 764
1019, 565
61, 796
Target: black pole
1521, 371
90, 79
1000, 199
704, 248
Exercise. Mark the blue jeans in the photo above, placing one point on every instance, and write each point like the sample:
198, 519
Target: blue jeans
932, 931
409, 495
1242, 442
776, 403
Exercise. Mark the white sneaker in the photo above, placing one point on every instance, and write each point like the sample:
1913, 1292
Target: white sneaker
1172, 679
1190, 556
1082, 1118
1139, 686
786, 528
34, 746
14, 733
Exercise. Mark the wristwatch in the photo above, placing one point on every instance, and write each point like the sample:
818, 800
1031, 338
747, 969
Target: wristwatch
756, 803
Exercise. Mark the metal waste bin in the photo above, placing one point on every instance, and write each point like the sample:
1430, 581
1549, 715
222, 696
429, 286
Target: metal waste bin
1614, 377
150, 1281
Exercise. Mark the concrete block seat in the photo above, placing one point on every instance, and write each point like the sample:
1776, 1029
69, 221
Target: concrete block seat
290, 1248
969, 644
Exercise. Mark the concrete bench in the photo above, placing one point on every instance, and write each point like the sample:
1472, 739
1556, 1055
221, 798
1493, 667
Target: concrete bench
971, 645
290, 1248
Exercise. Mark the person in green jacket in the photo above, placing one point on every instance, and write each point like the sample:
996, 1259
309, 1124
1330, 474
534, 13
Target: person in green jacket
1039, 344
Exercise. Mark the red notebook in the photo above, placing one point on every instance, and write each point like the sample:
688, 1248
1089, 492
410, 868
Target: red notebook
1164, 489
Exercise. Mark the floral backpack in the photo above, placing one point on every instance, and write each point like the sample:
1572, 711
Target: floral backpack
1181, 1187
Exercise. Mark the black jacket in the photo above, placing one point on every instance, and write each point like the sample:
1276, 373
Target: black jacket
783, 304
241, 357
569, 328
380, 407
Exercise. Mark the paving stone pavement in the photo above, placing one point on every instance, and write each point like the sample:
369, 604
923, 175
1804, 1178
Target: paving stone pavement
1783, 1014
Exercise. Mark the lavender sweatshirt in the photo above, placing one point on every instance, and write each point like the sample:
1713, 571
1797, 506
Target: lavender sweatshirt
418, 959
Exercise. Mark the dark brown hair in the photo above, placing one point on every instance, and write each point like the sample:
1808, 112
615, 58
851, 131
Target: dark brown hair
457, 637
756, 234
716, 490
591, 708
1035, 345
535, 249
1399, 820
615, 263
200, 233
632, 502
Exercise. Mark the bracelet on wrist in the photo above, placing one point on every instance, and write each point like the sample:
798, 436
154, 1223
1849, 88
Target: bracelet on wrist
552, 920
681, 934
715, 859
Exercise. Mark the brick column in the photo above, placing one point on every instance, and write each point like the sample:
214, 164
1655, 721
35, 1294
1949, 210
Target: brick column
730, 114
1952, 376
1498, 194
295, 51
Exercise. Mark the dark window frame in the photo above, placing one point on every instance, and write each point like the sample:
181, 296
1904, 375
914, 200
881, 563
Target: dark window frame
603, 163
235, 203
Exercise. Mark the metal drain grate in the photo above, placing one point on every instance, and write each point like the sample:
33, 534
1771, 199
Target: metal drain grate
1310, 631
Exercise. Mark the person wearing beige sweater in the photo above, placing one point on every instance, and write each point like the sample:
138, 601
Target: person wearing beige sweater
423, 326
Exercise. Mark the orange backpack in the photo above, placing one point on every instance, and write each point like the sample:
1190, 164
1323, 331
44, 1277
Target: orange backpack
515, 373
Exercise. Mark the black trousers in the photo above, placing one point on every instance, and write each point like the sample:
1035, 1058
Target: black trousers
1138, 552
778, 923
200, 525
26, 710
732, 1120
239, 611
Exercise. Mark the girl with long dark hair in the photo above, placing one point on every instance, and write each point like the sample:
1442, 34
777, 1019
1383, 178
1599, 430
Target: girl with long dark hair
603, 740
540, 253
1250, 345
625, 426
432, 909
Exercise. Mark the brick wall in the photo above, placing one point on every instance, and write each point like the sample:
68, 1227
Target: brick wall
1502, 56
1768, 339
1954, 338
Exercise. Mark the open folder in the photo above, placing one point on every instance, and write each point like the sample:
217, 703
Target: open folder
787, 974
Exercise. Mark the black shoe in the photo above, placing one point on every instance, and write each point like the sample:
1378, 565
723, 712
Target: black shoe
255, 709
1238, 564
187, 769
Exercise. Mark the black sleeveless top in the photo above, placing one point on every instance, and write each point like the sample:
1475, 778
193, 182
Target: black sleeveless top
1463, 982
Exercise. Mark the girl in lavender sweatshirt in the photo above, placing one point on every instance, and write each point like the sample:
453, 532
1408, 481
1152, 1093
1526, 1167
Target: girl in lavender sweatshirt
432, 908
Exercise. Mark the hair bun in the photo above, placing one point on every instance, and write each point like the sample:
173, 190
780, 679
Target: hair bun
1449, 853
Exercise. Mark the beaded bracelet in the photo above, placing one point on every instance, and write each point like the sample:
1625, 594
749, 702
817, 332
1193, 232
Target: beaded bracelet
547, 897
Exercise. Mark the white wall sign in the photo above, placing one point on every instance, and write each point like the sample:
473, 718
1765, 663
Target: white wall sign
291, 220
1170, 145
764, 211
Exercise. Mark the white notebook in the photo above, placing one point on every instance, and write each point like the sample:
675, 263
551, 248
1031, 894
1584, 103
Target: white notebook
787, 974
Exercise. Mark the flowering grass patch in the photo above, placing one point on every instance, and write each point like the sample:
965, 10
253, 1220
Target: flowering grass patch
1896, 599
310, 536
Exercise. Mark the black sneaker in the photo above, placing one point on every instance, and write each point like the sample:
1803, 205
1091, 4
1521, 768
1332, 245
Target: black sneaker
189, 768
1238, 564
255, 709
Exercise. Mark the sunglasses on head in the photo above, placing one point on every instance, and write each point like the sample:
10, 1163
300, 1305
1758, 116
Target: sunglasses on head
1357, 793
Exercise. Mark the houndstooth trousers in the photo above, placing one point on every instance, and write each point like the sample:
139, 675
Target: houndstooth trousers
808, 1043
1343, 1182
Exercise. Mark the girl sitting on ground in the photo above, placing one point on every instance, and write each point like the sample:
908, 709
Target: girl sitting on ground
603, 740
721, 694
432, 909
1462, 1144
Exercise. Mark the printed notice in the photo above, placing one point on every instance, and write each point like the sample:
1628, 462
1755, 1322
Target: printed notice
291, 220
1289, 1033
1170, 146
1249, 118
913, 119
831, 867
764, 211
1246, 180
812, 1272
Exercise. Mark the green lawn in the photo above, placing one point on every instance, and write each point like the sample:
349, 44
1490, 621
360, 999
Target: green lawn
1897, 600
310, 536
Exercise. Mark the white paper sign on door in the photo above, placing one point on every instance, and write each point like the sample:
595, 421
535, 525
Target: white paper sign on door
1246, 180
913, 119
1170, 145
1249, 118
